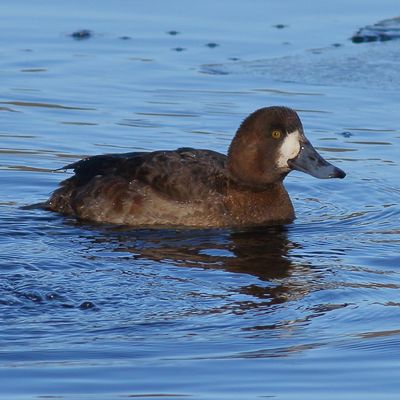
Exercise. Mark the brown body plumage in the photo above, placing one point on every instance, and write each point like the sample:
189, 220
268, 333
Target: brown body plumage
187, 186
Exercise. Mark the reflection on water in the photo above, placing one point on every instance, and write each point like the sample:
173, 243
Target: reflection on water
263, 253
44, 105
303, 311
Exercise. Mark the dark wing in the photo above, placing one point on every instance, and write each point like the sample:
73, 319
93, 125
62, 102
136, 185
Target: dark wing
183, 174
105, 164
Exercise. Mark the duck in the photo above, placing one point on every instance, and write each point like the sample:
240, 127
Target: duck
197, 187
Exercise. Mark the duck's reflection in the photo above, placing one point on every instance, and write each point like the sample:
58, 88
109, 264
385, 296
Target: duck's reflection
261, 252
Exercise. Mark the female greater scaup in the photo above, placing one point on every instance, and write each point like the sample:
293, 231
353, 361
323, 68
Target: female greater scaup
201, 188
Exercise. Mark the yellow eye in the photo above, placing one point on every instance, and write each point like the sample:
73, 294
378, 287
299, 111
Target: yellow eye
276, 134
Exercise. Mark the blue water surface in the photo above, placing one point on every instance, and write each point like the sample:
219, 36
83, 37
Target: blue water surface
308, 310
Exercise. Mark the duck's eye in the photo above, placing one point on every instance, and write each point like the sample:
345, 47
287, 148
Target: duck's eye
276, 134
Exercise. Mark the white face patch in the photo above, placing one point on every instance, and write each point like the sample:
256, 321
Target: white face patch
289, 149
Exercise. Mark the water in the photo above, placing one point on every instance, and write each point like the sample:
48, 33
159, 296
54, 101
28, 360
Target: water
305, 311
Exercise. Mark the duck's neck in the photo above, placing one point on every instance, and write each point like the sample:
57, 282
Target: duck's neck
270, 204
245, 163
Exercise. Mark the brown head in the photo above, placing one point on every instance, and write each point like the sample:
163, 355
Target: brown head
269, 144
